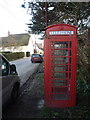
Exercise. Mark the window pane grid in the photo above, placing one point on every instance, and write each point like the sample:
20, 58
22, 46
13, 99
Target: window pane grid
61, 69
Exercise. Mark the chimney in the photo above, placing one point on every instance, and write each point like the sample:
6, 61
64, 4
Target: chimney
8, 33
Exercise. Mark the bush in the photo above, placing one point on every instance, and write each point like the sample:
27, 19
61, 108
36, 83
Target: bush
13, 56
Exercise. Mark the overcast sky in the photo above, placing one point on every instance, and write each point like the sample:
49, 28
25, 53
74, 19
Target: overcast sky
12, 17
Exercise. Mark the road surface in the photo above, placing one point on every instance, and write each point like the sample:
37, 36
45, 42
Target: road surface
25, 68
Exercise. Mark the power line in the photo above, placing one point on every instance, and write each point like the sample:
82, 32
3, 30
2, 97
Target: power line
1, 4
10, 12
2, 31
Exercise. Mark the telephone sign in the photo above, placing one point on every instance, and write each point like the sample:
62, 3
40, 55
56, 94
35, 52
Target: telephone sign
60, 53
61, 33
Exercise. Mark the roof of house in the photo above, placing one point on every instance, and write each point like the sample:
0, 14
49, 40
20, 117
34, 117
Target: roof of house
15, 40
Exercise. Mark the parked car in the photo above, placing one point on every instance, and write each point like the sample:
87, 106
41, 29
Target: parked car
9, 80
36, 58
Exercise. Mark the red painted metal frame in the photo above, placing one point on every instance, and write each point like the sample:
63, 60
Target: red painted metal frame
49, 64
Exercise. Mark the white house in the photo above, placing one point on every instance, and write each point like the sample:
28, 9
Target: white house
18, 43
37, 43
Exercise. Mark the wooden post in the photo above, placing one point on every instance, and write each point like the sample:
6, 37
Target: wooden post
88, 49
46, 14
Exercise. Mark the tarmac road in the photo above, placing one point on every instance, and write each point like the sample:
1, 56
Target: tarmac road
25, 68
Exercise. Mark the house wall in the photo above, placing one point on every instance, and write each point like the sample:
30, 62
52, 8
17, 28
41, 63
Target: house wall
24, 49
30, 46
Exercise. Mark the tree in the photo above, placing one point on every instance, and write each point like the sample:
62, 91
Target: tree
39, 17
62, 12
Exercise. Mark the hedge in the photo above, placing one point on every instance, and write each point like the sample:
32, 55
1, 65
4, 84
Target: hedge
13, 56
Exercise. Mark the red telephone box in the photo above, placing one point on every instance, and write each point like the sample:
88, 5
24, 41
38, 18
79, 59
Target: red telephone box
60, 52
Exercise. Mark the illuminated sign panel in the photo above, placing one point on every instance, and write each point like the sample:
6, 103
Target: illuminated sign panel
61, 32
